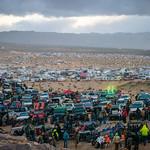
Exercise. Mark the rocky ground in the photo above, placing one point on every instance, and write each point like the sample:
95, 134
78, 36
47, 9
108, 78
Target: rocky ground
8, 142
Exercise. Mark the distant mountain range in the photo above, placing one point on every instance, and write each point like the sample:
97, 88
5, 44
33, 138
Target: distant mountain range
97, 40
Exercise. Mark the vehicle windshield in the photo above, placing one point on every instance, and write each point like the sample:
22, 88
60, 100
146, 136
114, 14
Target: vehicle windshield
24, 114
38, 112
20, 109
125, 96
113, 109
136, 105
44, 94
88, 104
27, 97
60, 110
79, 109
85, 101
27, 101
79, 105
68, 105
52, 105
120, 102
104, 103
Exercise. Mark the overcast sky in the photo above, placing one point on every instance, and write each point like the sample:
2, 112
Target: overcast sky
75, 16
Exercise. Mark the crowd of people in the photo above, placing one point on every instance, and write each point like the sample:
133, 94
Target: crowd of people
92, 125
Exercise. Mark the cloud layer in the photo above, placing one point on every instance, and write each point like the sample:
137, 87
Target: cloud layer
102, 24
75, 7
75, 15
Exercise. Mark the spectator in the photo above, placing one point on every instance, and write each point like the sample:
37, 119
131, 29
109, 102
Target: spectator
66, 138
77, 136
55, 134
116, 140
124, 115
32, 133
104, 114
107, 140
59, 131
129, 142
100, 142
122, 140
144, 132
143, 114
138, 113
136, 141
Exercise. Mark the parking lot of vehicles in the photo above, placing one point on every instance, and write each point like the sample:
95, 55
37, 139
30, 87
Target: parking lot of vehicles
86, 110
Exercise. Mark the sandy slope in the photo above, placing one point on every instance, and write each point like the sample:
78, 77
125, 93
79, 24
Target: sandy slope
127, 86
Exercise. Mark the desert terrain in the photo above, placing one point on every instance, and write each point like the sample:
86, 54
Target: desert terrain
62, 60
77, 58
74, 58
126, 86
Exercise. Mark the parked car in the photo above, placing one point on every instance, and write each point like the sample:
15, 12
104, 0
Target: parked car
49, 110
79, 113
88, 106
58, 100
125, 97
114, 113
44, 96
69, 106
101, 105
135, 105
121, 102
145, 97
58, 114
23, 116
16, 111
3, 108
27, 103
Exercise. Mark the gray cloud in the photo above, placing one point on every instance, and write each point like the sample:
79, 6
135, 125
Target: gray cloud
131, 23
75, 7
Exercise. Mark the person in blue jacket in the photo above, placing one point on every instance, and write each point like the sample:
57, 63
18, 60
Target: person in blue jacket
66, 138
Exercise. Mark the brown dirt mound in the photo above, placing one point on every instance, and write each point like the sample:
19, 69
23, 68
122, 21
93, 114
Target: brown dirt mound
8, 142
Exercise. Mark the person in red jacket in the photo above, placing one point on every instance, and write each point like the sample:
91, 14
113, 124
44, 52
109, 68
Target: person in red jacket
107, 140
